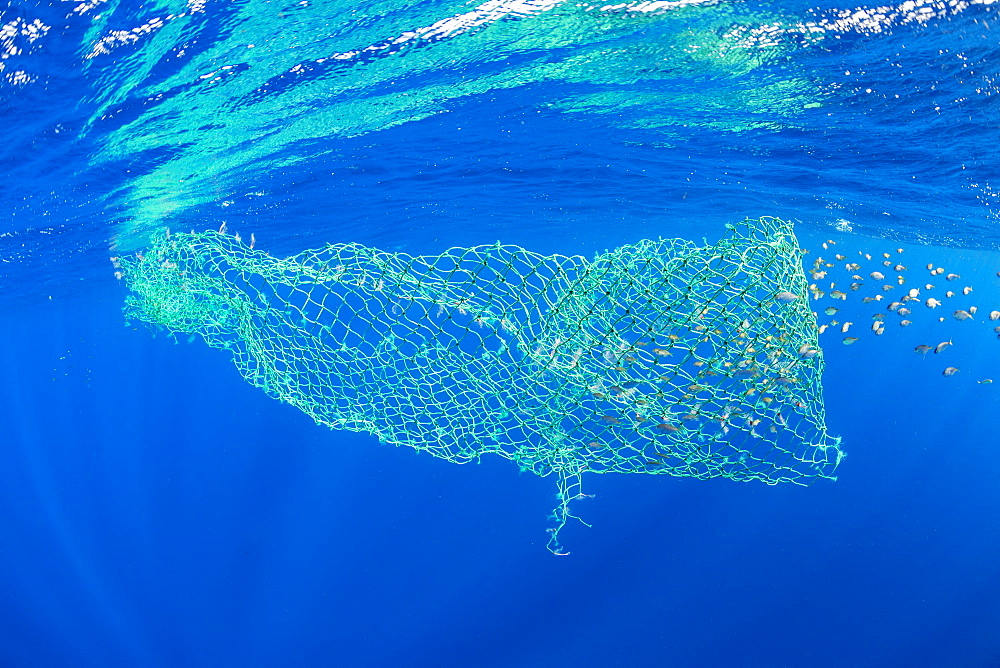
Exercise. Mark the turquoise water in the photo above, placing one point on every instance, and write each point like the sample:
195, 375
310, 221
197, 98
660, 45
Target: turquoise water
158, 510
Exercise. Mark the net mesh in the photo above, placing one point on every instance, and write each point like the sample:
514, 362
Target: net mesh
659, 357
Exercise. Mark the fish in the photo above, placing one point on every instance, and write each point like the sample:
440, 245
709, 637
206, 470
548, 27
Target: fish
950, 371
877, 275
939, 271
822, 328
903, 311
973, 309
886, 288
922, 349
808, 351
949, 294
885, 255
837, 294
855, 286
899, 250
961, 315
913, 293
878, 316
994, 315
849, 340
847, 326
928, 287
984, 381
941, 347
894, 305
667, 427
966, 290
932, 303
831, 310
840, 257
899, 267
786, 297
662, 352
930, 267
951, 277
880, 331
904, 323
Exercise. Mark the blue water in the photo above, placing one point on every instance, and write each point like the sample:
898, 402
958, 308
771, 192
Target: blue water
157, 510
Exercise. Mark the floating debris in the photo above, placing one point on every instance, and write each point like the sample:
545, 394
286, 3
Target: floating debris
950, 371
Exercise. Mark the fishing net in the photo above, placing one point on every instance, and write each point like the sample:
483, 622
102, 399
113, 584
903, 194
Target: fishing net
658, 357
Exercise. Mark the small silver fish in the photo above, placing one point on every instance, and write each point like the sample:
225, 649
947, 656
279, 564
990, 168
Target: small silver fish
961, 315
894, 305
904, 323
847, 326
951, 277
922, 349
966, 290
903, 311
786, 297
941, 347
899, 267
932, 303
985, 381
994, 315
950, 371
973, 309
848, 340
831, 310
877, 275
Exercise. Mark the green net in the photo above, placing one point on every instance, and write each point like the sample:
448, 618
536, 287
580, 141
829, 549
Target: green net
658, 357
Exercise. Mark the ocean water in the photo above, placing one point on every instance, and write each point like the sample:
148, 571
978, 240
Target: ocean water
158, 510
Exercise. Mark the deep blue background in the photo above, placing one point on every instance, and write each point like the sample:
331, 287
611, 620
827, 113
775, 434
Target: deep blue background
156, 510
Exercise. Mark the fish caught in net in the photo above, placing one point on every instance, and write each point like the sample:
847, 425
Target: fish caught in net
658, 357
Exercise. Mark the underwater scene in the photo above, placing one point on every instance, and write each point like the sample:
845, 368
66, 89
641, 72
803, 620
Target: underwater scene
499, 333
